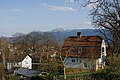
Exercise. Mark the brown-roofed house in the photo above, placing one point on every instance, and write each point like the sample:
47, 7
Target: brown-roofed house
84, 52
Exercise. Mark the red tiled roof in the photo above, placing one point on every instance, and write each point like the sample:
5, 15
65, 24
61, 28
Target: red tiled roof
89, 46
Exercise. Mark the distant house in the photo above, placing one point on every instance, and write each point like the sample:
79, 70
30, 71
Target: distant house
85, 52
27, 62
19, 61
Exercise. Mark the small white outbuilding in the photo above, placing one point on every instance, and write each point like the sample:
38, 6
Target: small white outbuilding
27, 62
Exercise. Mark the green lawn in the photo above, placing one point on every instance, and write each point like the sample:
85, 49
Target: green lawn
84, 73
14, 77
72, 76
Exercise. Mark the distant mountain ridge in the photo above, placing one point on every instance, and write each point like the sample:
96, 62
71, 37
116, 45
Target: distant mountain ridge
61, 34
57, 30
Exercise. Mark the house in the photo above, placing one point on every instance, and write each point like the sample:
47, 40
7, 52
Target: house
85, 52
27, 62
18, 61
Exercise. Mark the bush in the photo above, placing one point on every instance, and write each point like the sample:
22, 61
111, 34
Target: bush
111, 71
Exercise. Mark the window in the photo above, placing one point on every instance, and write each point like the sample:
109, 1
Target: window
102, 49
77, 59
73, 60
85, 65
80, 60
79, 50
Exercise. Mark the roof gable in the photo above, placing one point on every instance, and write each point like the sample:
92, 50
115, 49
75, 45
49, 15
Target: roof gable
17, 57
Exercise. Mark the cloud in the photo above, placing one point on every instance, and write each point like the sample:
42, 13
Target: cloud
58, 8
10, 10
61, 8
81, 25
15, 10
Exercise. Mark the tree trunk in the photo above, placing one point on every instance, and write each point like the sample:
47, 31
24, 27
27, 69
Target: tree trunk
65, 78
3, 56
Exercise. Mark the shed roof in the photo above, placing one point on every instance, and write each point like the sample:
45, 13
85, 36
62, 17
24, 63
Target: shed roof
27, 72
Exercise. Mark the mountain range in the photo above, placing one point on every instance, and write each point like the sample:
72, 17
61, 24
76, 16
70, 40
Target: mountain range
61, 34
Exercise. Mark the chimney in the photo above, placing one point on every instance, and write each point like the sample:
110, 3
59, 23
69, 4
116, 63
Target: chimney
78, 34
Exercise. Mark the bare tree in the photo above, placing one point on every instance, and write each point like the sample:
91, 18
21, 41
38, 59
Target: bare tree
63, 60
106, 16
4, 50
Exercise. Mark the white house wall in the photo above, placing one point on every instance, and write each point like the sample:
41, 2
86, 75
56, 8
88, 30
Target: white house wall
27, 62
77, 62
9, 66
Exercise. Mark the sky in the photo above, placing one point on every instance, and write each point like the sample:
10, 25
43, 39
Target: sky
25, 16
